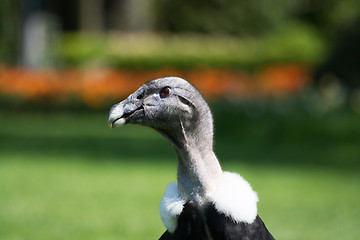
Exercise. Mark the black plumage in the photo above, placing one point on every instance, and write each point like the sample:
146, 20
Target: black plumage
224, 228
216, 226
190, 226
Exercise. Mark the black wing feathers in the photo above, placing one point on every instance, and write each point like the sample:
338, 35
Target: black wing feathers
224, 228
190, 225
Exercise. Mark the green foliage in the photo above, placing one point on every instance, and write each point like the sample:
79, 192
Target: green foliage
293, 42
329, 17
77, 49
226, 17
255, 18
67, 176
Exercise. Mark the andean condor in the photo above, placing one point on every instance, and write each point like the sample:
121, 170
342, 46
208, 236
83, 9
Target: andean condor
205, 202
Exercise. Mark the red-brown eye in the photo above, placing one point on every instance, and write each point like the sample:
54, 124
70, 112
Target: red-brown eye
165, 92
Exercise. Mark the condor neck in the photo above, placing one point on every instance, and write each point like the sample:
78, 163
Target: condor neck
199, 170
198, 174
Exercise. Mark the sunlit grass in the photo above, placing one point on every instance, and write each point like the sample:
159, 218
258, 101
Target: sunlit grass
72, 199
59, 199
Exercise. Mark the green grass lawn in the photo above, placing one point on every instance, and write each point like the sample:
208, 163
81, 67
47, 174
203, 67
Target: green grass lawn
67, 176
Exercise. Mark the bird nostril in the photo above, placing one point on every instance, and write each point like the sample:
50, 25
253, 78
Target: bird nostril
140, 96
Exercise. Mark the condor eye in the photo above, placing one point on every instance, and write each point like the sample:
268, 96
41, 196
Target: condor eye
165, 92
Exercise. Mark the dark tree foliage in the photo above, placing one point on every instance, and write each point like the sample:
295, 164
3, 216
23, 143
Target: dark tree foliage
344, 60
237, 17
9, 30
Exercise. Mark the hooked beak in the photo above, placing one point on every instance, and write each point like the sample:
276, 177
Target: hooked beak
115, 118
120, 113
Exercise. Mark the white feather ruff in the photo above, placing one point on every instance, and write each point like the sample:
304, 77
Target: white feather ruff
233, 197
171, 206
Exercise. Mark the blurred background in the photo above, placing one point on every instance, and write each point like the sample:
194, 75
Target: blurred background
282, 79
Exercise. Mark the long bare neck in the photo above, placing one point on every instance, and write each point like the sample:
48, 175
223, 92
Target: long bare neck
199, 170
198, 173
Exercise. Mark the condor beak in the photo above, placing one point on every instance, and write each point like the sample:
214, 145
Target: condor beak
121, 112
115, 118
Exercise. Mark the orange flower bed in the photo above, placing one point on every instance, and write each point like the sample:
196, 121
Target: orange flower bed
95, 87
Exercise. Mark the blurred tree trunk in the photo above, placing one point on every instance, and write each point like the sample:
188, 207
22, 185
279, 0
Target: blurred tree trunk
40, 40
124, 15
9, 31
138, 15
130, 15
91, 15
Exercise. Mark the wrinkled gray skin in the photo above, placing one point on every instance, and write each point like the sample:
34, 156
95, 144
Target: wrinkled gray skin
185, 119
